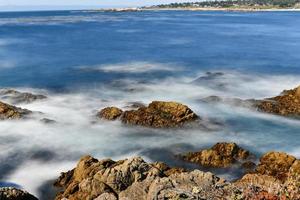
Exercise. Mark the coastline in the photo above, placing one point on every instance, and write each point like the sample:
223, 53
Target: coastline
199, 9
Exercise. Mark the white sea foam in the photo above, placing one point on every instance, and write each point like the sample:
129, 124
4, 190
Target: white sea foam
133, 67
38, 151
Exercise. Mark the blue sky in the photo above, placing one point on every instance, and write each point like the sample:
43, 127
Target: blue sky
69, 4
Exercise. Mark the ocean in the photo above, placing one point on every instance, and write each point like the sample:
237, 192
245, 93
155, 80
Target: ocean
84, 61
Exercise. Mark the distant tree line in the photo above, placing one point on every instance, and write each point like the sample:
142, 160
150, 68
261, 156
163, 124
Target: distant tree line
233, 3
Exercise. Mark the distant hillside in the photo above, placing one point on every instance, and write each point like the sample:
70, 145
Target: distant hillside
255, 4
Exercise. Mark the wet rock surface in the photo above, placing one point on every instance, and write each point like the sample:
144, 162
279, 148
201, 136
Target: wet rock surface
9, 193
11, 112
16, 97
221, 155
157, 114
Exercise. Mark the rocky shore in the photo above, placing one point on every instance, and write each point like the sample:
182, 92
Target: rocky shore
277, 176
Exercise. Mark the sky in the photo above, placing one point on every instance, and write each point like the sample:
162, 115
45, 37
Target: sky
6, 5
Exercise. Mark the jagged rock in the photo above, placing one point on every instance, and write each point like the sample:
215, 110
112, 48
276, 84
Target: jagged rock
277, 164
286, 104
158, 114
110, 113
135, 179
16, 97
263, 182
9, 193
11, 112
220, 155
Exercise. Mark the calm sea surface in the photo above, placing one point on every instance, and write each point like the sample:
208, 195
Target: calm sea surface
84, 61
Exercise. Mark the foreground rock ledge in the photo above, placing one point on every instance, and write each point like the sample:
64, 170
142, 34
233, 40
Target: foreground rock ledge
158, 114
9, 193
136, 179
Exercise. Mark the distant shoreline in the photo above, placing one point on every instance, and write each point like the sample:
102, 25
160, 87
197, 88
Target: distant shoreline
198, 9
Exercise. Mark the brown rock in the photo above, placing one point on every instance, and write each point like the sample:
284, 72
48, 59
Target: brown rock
110, 113
160, 114
11, 112
9, 193
276, 164
220, 155
264, 182
286, 104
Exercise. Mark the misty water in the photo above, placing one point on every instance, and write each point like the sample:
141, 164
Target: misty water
85, 61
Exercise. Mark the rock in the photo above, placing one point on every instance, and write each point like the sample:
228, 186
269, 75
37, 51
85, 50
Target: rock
221, 155
264, 182
110, 113
11, 112
160, 114
286, 104
276, 164
17, 97
277, 173
134, 179
48, 121
9, 193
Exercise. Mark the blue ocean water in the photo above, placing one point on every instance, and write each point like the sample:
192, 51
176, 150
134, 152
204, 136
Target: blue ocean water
84, 61
43, 49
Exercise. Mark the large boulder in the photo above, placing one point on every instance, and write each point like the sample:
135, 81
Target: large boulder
286, 104
16, 97
9, 193
221, 155
158, 114
277, 164
11, 112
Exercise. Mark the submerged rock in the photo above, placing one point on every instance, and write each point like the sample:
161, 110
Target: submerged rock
11, 112
286, 104
9, 193
158, 114
17, 97
221, 155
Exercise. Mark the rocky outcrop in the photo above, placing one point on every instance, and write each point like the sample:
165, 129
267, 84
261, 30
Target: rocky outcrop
16, 97
278, 173
221, 155
278, 165
9, 193
135, 179
286, 104
11, 112
158, 114
110, 113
